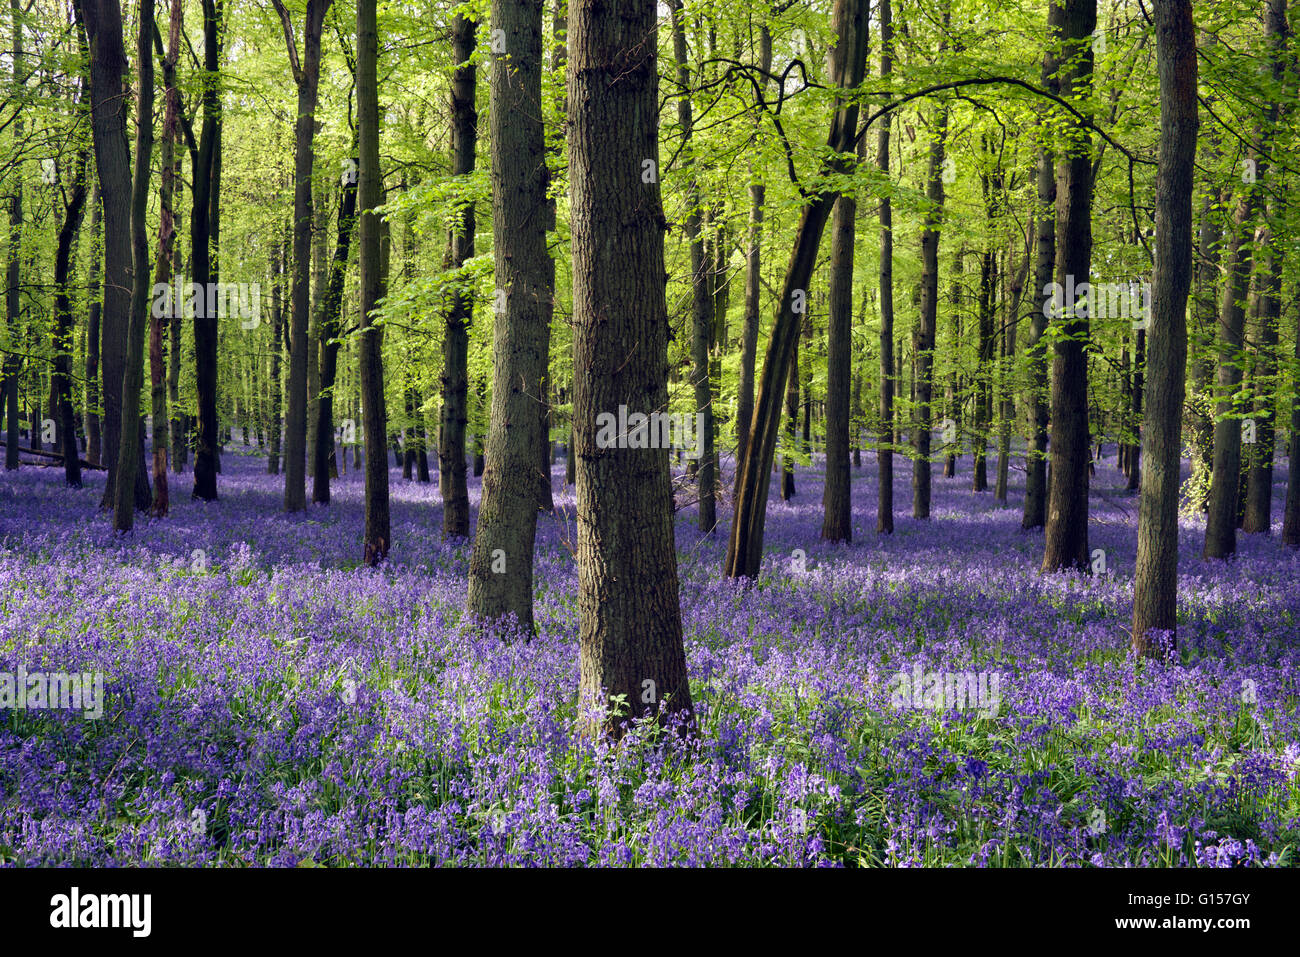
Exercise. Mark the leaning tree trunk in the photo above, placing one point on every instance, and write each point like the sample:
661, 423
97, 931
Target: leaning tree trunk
630, 624
1066, 538
501, 562
1155, 587
847, 64
753, 273
1221, 522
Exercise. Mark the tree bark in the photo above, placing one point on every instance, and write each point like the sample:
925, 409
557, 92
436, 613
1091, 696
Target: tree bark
630, 626
501, 562
1066, 538
1155, 587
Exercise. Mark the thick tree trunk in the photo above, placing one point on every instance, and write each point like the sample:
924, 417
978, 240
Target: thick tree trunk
501, 563
630, 625
847, 63
927, 322
1066, 538
1258, 515
460, 247
1291, 516
1155, 586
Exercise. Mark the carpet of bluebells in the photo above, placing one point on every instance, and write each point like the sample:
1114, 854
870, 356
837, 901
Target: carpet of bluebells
269, 702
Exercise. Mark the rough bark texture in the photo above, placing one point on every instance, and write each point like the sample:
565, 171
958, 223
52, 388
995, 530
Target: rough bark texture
1155, 592
837, 524
1066, 538
501, 562
630, 626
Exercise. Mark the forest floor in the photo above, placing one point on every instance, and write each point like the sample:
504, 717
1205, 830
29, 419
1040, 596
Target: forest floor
267, 702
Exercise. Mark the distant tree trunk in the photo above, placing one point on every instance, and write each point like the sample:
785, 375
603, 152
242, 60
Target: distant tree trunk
124, 497
1258, 517
1066, 538
927, 323
1205, 315
847, 65
702, 295
1155, 585
1007, 409
205, 164
885, 448
630, 627
753, 275
95, 293
372, 248
328, 307
1035, 513
1291, 516
501, 562
1133, 454
460, 247
307, 80
984, 371
791, 426
61, 380
1221, 522
277, 340
163, 265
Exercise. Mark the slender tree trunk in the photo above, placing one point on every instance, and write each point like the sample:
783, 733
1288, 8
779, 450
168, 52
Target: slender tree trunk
328, 307
1035, 513
885, 446
1155, 587
1133, 455
1066, 538
13, 301
307, 79
791, 426
95, 293
501, 562
373, 247
753, 274
1291, 515
460, 247
1258, 517
630, 626
277, 340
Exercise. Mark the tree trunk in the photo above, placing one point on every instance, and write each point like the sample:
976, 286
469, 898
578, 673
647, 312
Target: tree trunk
1035, 513
373, 247
927, 323
888, 373
307, 79
1066, 538
95, 293
460, 247
1155, 585
753, 274
1258, 517
328, 307
847, 62
630, 626
277, 341
124, 497
501, 562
